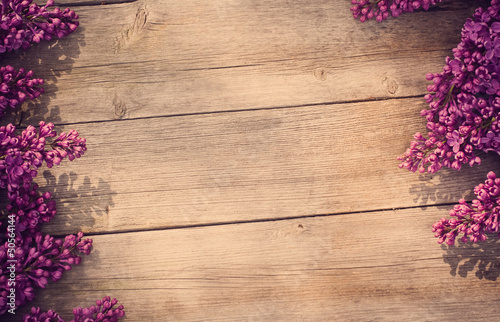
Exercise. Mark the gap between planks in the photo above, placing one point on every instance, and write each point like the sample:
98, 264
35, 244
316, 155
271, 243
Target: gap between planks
254, 221
256, 109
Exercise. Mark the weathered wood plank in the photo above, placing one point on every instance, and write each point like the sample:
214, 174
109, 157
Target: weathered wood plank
154, 58
77, 3
249, 165
380, 266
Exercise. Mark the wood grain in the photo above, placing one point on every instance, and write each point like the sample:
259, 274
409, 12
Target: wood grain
249, 165
241, 164
378, 266
156, 58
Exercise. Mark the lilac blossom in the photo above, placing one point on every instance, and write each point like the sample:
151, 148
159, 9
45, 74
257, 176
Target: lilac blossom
16, 87
492, 140
21, 155
33, 258
381, 9
37, 315
454, 141
30, 259
24, 23
37, 259
103, 310
31, 209
472, 221
464, 100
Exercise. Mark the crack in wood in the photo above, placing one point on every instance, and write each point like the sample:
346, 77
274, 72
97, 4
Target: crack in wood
219, 67
260, 220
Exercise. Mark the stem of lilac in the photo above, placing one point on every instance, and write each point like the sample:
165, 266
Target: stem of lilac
426, 152
52, 145
448, 96
55, 260
466, 222
488, 123
371, 5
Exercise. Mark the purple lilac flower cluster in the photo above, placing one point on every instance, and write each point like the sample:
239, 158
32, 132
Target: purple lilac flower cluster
381, 9
24, 22
21, 155
28, 258
36, 258
31, 209
475, 220
102, 311
16, 87
464, 102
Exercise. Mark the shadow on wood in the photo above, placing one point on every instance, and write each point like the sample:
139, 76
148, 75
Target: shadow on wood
482, 258
434, 187
48, 60
79, 204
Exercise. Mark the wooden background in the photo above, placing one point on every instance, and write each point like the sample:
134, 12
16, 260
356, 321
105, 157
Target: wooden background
242, 166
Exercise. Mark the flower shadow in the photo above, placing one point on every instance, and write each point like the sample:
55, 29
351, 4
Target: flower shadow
482, 259
448, 186
79, 204
49, 61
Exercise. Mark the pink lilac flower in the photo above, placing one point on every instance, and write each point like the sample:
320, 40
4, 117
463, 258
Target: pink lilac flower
492, 48
472, 221
35, 258
455, 141
38, 258
16, 87
104, 310
491, 139
21, 155
36, 315
31, 209
381, 9
464, 100
24, 22
25, 252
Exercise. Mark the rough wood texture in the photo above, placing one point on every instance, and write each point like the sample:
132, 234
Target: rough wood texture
375, 266
249, 165
151, 58
241, 164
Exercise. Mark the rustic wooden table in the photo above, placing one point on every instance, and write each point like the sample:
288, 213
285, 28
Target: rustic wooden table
241, 164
